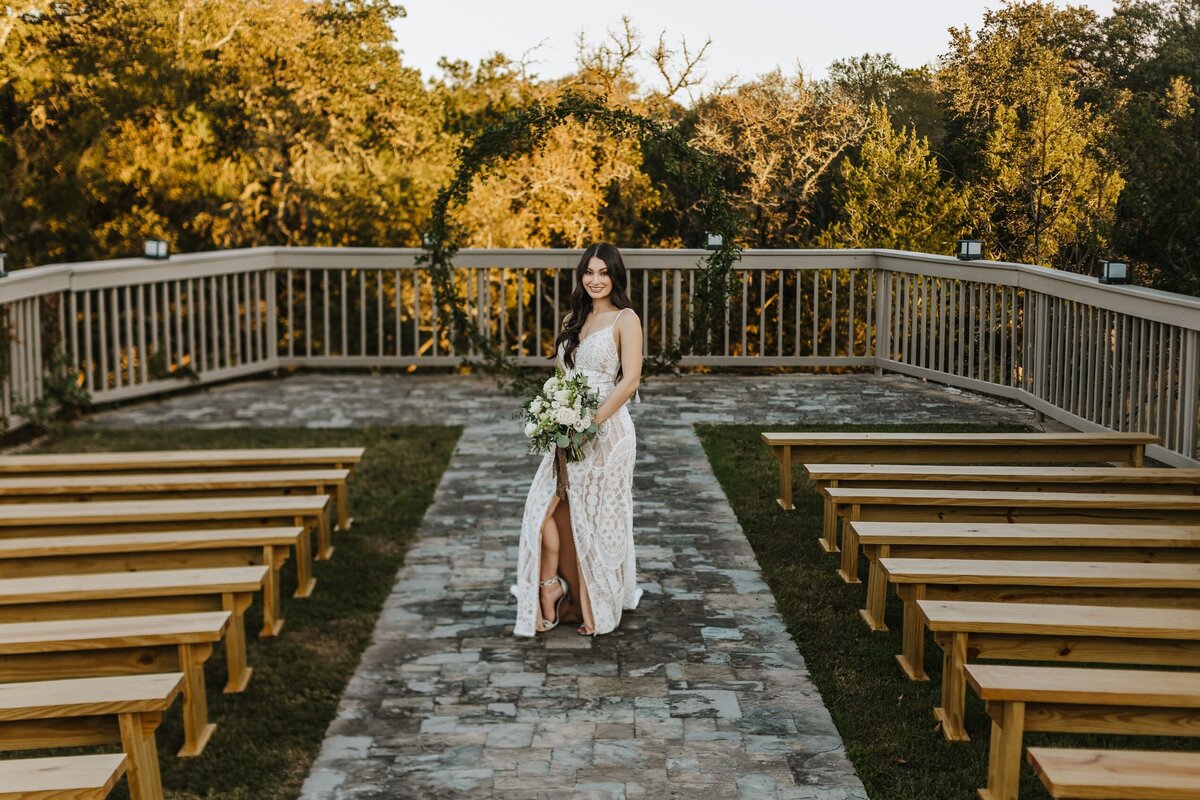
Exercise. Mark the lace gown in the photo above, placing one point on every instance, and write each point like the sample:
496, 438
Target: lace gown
600, 494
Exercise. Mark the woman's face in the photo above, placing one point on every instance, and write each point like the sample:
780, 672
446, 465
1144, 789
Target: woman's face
596, 279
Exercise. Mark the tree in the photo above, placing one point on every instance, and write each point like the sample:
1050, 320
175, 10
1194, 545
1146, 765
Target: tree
781, 137
893, 195
1156, 68
1043, 179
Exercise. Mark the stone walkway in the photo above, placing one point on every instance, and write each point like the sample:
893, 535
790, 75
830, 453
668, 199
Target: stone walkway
699, 693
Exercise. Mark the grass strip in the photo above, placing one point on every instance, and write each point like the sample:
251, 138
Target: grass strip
885, 720
267, 737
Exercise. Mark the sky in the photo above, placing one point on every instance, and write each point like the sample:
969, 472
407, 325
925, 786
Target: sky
749, 37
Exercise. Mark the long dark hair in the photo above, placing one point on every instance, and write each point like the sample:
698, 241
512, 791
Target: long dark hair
581, 301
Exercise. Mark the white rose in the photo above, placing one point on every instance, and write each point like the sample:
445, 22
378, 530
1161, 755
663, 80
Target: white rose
550, 385
536, 406
530, 429
566, 416
562, 396
580, 426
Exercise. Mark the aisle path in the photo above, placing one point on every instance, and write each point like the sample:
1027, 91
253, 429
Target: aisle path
699, 694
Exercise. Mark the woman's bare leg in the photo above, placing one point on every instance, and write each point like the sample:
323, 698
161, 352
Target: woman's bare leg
549, 564
569, 562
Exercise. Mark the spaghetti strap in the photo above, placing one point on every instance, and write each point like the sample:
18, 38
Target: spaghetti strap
617, 317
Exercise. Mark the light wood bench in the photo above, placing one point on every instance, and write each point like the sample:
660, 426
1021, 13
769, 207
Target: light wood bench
1043, 632
22, 520
936, 477
1077, 700
87, 648
1060, 582
915, 505
122, 594
123, 710
142, 486
1117, 774
61, 777
951, 448
1037, 542
158, 550
162, 461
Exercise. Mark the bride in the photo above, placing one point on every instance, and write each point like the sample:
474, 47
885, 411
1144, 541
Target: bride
576, 555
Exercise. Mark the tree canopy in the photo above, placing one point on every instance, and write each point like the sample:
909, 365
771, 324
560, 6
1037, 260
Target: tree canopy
1058, 135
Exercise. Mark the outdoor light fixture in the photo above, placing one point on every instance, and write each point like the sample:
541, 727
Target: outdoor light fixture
3, 272
1114, 272
157, 249
969, 249
713, 241
427, 240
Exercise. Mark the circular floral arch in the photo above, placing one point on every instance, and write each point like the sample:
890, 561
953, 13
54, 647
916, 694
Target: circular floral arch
525, 129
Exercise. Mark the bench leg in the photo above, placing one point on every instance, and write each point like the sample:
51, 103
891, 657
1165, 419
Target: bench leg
784, 454
235, 642
828, 540
197, 730
343, 508
138, 742
324, 538
876, 589
272, 617
305, 582
1004, 753
954, 689
912, 660
849, 568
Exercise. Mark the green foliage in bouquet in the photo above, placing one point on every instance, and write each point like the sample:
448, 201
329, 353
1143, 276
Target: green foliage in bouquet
561, 395
524, 130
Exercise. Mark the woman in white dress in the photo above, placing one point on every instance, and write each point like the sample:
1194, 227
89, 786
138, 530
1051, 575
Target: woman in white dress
576, 552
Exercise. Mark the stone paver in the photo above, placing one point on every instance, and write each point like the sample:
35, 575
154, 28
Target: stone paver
699, 693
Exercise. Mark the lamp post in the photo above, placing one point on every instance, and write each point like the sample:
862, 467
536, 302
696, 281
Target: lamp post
969, 249
157, 249
713, 241
3, 257
1114, 272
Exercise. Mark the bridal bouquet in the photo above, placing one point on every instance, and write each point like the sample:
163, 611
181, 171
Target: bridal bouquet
561, 416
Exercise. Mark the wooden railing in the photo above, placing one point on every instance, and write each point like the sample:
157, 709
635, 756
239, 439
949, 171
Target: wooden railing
1092, 356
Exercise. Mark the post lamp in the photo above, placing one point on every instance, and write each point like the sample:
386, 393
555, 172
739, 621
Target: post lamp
713, 241
3, 272
1114, 272
157, 249
969, 249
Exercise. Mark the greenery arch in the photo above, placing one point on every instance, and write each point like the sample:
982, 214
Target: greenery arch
525, 129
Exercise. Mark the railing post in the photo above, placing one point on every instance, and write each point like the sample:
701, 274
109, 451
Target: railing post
676, 305
1189, 392
273, 317
883, 316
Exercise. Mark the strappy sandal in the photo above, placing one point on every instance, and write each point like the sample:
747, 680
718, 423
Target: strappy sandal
545, 624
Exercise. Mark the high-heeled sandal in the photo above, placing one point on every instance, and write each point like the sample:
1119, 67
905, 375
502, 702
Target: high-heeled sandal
557, 603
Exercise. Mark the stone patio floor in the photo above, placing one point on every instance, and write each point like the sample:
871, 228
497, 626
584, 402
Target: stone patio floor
699, 693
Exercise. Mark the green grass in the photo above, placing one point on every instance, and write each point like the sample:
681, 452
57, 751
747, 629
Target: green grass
885, 720
267, 736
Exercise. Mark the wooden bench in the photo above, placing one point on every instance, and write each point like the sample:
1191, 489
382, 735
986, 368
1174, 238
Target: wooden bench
123, 710
935, 477
1060, 582
1043, 632
1117, 774
1038, 542
158, 550
162, 461
54, 519
915, 505
951, 448
141, 486
1077, 700
126, 594
64, 777
89, 648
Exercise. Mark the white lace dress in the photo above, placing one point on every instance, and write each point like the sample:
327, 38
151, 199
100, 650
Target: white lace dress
600, 494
